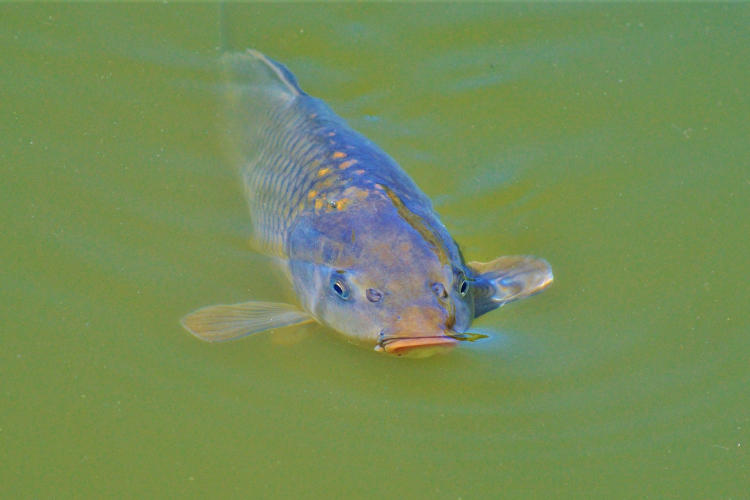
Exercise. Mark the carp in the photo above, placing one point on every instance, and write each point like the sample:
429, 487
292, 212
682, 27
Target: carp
361, 244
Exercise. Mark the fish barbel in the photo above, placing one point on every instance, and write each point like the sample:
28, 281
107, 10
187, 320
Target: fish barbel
364, 249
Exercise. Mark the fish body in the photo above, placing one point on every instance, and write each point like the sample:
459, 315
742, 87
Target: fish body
362, 245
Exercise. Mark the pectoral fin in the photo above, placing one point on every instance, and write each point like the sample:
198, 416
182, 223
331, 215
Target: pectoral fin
221, 323
506, 279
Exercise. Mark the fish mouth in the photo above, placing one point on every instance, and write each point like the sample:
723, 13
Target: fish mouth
416, 347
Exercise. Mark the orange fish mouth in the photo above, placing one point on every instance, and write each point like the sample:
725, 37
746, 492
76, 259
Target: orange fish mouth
417, 347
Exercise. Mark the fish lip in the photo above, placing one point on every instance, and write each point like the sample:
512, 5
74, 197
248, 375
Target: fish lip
399, 345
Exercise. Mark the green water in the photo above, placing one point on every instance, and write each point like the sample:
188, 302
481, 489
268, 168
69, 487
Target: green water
611, 140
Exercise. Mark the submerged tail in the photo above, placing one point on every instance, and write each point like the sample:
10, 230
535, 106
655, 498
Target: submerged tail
275, 69
254, 72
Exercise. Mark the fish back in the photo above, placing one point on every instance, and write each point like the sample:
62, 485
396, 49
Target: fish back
296, 153
270, 135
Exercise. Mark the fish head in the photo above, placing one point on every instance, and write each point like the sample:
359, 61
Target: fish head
371, 276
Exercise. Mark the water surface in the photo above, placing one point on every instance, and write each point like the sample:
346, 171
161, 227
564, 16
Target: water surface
611, 140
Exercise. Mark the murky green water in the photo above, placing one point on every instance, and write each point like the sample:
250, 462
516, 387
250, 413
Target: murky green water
611, 140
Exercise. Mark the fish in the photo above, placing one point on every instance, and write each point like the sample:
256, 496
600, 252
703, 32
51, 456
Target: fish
362, 246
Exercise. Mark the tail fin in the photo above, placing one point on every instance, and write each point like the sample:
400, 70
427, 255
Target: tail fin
254, 69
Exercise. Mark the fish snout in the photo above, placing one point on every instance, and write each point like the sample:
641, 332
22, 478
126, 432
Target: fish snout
415, 346
418, 331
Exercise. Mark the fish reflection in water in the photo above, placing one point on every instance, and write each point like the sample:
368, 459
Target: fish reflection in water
364, 249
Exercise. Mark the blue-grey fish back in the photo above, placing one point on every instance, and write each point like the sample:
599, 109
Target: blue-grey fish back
293, 149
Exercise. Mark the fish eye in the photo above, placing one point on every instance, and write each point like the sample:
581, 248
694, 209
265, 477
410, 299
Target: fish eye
373, 295
339, 287
464, 288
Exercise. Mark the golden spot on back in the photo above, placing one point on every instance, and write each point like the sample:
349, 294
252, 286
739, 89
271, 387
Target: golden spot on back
331, 134
359, 172
312, 194
318, 204
327, 182
347, 164
341, 205
338, 154
354, 193
313, 115
323, 171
